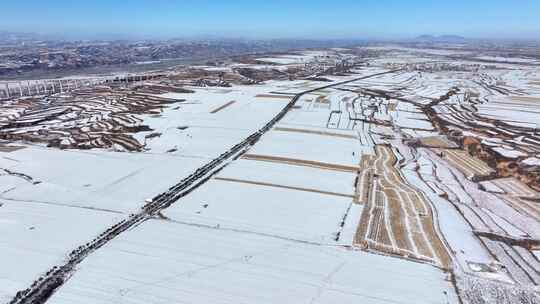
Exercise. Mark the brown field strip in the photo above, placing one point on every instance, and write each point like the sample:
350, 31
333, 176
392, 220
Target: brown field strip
301, 162
223, 107
322, 99
361, 231
467, 164
324, 133
379, 229
398, 220
438, 142
525, 98
4, 148
406, 215
243, 181
395, 251
364, 182
274, 96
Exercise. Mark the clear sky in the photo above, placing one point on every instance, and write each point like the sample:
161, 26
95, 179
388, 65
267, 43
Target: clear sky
276, 18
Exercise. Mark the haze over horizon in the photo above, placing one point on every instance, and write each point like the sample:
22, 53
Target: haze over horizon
315, 19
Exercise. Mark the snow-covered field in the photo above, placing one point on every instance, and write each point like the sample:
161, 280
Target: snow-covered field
163, 262
101, 180
38, 236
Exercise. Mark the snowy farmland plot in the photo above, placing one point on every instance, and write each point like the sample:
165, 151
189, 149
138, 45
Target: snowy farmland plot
35, 238
379, 175
302, 196
161, 262
99, 180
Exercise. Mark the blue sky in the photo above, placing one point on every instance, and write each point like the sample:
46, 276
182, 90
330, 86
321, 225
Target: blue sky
276, 18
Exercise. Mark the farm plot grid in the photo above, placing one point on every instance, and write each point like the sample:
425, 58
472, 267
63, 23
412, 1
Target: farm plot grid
517, 194
506, 232
471, 167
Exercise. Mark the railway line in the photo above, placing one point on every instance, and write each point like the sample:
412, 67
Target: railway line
41, 289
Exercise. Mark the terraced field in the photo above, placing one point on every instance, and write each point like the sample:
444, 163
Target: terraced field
472, 167
397, 218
